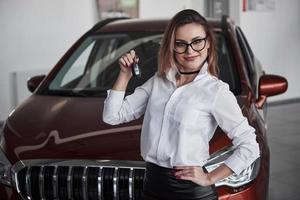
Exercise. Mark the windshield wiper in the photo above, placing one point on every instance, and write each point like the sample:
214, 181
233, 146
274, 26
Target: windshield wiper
75, 93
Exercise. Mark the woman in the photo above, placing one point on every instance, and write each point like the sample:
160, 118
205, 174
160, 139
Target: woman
182, 103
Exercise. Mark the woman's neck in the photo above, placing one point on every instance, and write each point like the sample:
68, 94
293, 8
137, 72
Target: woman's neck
185, 76
184, 79
188, 72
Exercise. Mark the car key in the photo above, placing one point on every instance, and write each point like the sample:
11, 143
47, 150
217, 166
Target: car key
136, 71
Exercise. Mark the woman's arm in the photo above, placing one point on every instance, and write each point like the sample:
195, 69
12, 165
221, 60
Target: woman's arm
125, 74
229, 117
231, 120
198, 176
119, 110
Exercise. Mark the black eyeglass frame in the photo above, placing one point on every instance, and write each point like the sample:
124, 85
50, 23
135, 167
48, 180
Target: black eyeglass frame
190, 44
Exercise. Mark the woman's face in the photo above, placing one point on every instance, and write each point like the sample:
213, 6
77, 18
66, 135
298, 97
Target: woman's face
190, 57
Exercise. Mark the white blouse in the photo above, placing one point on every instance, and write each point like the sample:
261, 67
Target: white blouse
179, 122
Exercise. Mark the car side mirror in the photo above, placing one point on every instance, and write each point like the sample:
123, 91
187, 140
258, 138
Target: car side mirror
270, 85
34, 82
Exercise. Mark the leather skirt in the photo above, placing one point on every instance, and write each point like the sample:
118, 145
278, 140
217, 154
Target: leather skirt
161, 184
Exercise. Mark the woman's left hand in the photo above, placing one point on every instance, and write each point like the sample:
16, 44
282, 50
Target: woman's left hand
193, 173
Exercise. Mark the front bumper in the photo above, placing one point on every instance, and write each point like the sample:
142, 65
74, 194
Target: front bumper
85, 179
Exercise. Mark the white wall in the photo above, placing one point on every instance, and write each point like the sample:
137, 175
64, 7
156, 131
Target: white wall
167, 8
34, 36
275, 38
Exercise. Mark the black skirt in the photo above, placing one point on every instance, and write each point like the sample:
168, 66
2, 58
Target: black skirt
161, 184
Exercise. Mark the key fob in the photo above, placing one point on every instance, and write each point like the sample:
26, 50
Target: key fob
136, 71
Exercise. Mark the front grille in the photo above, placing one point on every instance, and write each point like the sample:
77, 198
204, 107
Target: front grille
82, 180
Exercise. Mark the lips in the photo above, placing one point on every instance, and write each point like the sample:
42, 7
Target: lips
190, 58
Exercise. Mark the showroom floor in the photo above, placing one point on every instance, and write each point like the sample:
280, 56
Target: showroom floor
284, 141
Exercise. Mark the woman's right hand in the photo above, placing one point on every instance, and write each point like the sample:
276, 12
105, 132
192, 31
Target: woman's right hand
126, 61
125, 74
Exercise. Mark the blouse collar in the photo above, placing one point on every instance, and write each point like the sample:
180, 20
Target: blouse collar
171, 74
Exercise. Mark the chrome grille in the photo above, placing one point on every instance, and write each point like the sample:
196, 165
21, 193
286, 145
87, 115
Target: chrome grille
79, 179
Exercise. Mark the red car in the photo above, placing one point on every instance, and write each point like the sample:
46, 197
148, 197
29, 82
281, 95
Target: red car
56, 146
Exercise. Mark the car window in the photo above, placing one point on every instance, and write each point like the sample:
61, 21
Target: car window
227, 67
248, 56
93, 68
77, 69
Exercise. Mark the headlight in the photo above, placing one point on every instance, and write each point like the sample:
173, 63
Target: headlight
5, 176
246, 176
1, 134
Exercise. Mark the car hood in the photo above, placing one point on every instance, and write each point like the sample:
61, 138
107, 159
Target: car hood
47, 127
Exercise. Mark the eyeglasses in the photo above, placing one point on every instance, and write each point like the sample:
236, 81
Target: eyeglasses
197, 45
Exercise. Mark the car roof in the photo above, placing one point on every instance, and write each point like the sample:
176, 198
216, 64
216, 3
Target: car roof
137, 25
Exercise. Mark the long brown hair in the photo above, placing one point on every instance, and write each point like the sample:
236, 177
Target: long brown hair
166, 52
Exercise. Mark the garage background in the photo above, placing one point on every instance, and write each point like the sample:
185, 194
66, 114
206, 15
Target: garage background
36, 33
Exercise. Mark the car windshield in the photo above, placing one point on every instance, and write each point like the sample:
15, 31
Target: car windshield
93, 68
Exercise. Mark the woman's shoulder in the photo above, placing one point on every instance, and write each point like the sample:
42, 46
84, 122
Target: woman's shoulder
215, 84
